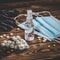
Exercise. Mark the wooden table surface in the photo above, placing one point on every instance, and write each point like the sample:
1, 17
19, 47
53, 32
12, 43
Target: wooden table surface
37, 50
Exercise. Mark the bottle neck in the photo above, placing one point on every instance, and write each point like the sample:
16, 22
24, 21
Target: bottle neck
29, 19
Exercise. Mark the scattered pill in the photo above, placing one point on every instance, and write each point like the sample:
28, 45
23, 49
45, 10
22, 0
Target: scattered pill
11, 34
2, 44
1, 36
48, 46
18, 28
54, 45
44, 39
4, 35
8, 37
5, 41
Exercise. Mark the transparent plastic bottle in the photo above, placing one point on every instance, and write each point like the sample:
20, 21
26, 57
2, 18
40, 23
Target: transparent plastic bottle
29, 32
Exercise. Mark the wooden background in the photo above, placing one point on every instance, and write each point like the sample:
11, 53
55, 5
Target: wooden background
37, 51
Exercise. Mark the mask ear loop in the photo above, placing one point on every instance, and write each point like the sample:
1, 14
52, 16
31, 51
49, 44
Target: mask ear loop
20, 16
47, 12
37, 14
57, 40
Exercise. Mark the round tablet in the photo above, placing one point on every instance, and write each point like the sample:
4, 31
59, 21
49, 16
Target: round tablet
18, 28
14, 38
4, 35
18, 37
21, 47
1, 36
11, 34
9, 41
48, 46
12, 46
44, 40
8, 37
5, 41
2, 44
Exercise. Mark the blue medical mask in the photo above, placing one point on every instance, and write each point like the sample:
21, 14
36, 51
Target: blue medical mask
47, 27
55, 23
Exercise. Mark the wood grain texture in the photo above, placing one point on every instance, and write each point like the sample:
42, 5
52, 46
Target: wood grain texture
37, 50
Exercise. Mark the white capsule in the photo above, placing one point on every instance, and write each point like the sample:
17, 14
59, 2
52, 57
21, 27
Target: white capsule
11, 34
12, 46
7, 44
14, 38
18, 28
5, 41
23, 43
9, 41
4, 35
18, 43
44, 40
18, 37
26, 46
15, 46
22, 40
13, 42
7, 37
21, 47
2, 44
1, 36
39, 37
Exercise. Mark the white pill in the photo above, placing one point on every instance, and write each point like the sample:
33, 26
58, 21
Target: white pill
7, 44
5, 41
2, 44
18, 28
9, 41
21, 47
4, 35
18, 43
22, 40
1, 36
15, 47
26, 46
39, 37
12, 45
18, 37
11, 34
8, 37
13, 42
44, 40
14, 38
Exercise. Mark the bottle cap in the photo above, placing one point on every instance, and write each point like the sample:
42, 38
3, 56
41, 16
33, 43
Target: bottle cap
29, 13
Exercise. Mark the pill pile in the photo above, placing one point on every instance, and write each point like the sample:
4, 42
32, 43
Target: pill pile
15, 42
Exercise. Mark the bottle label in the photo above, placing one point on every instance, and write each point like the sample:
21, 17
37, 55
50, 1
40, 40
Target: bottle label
29, 34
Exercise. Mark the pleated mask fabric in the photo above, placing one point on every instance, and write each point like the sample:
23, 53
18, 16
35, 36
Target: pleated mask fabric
45, 26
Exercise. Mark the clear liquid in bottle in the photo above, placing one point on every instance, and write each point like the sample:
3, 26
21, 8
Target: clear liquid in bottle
29, 32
